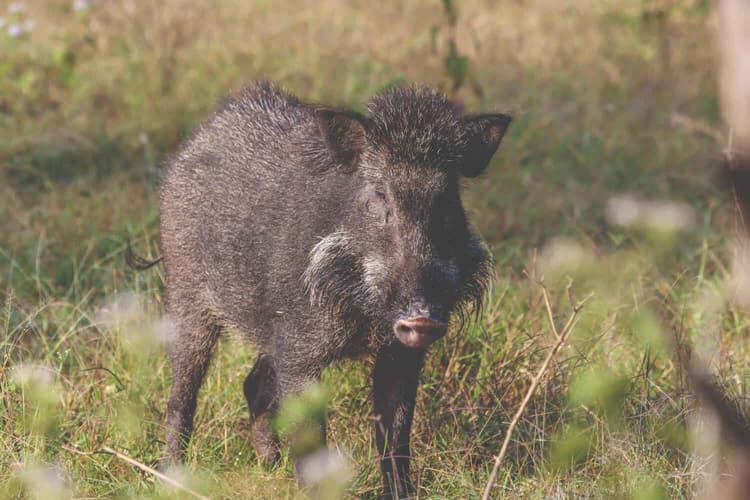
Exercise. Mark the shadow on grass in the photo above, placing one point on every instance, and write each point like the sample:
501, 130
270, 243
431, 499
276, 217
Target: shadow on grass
47, 165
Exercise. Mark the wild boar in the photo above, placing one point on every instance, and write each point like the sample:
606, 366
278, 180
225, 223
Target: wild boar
322, 234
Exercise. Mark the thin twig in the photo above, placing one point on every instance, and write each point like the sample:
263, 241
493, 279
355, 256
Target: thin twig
117, 379
142, 466
154, 472
77, 451
692, 125
549, 311
561, 338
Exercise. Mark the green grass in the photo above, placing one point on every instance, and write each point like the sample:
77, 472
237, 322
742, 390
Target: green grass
91, 102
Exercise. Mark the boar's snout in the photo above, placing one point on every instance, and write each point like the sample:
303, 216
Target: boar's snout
420, 328
419, 332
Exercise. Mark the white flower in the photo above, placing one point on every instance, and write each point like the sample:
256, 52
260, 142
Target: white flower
47, 481
15, 30
123, 309
563, 254
623, 210
26, 373
324, 465
79, 5
629, 210
164, 330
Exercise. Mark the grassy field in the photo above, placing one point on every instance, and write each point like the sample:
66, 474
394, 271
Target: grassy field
616, 118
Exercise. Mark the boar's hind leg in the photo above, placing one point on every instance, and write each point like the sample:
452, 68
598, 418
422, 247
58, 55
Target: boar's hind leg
396, 378
190, 351
261, 393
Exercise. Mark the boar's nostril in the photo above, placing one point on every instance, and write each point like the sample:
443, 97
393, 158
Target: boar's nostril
418, 332
403, 328
427, 327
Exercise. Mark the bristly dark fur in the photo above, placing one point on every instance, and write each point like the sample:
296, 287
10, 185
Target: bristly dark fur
417, 126
316, 232
473, 294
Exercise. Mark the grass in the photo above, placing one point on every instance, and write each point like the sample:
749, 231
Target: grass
93, 100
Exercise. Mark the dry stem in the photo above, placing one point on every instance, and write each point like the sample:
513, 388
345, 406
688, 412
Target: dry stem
142, 466
561, 337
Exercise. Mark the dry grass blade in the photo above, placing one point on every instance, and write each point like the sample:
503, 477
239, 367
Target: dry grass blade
140, 465
561, 337
153, 471
694, 126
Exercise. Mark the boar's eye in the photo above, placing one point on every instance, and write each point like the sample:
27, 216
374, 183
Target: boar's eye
377, 205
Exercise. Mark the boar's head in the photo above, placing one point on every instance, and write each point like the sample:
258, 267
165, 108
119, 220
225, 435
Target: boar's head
404, 257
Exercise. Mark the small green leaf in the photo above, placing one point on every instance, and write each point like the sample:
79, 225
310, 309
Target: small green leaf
646, 328
600, 389
649, 488
570, 448
301, 418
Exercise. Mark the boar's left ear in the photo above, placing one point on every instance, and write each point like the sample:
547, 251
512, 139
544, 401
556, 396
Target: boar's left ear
344, 134
485, 133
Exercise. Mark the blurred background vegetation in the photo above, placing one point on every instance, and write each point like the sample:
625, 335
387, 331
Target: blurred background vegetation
607, 179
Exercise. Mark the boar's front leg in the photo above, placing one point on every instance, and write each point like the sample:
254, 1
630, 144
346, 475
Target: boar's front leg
396, 378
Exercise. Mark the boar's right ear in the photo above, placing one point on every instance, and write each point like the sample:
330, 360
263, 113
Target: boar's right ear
485, 133
344, 134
